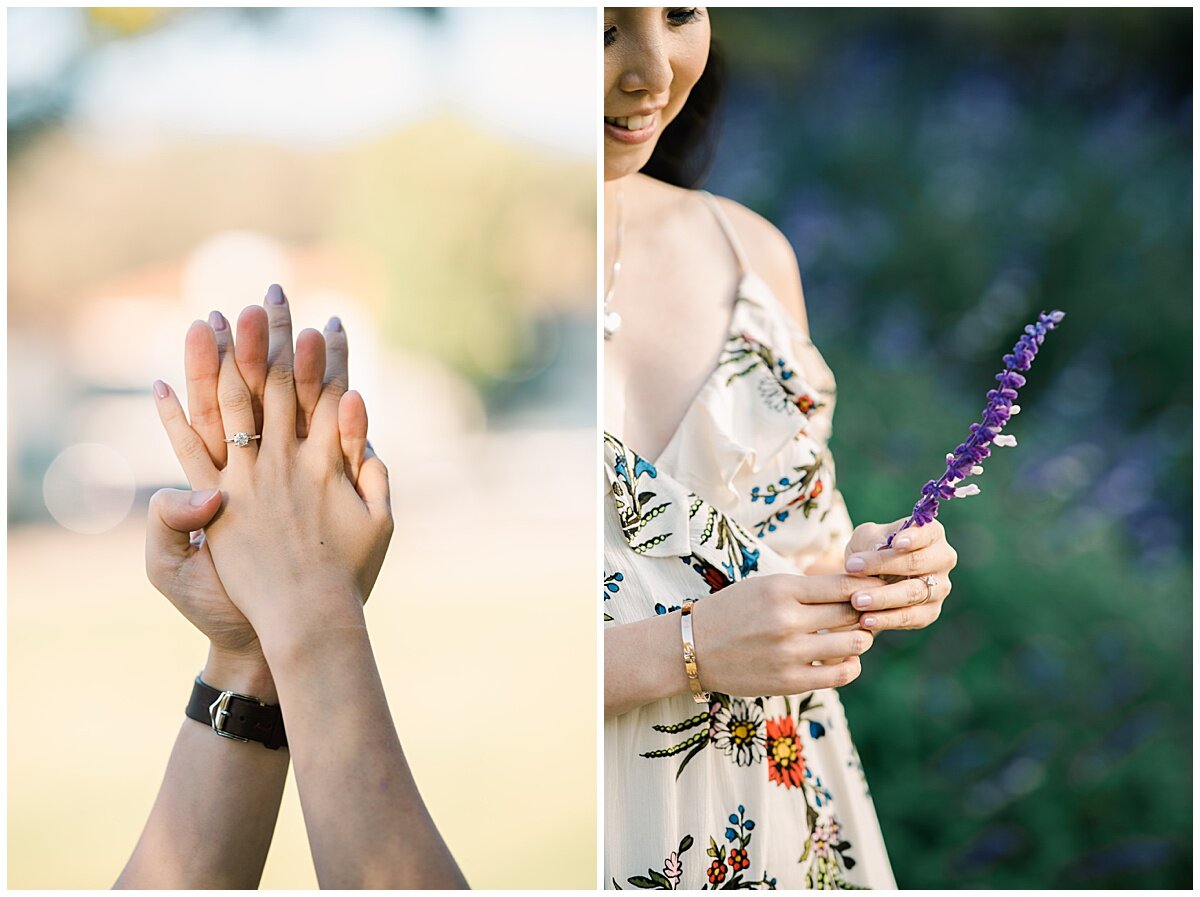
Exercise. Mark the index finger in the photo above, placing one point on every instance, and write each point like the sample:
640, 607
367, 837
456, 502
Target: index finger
832, 588
916, 537
201, 364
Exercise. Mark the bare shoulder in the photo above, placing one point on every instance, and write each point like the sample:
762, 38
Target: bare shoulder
770, 256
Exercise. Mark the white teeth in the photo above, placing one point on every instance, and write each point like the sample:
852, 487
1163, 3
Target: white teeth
631, 122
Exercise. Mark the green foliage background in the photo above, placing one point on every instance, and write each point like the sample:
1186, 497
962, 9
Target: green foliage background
944, 175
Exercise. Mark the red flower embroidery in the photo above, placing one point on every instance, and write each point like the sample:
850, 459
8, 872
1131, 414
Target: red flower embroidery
818, 487
716, 872
804, 403
738, 860
785, 760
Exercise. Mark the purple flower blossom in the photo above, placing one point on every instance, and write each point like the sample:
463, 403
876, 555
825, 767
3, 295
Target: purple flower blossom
966, 460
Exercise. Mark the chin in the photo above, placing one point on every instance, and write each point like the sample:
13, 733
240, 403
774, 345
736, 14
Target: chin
619, 164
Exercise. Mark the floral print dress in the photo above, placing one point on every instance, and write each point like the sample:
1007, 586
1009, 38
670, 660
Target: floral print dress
748, 792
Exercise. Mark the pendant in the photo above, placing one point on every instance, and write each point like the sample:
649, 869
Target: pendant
612, 323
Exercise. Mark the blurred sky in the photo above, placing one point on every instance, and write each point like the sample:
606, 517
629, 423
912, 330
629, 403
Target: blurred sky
308, 77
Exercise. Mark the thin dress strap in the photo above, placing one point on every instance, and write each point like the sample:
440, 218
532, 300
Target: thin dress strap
723, 220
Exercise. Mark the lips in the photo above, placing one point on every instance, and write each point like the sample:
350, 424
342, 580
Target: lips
631, 128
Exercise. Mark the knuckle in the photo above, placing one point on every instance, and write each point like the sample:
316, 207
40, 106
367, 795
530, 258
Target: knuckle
774, 589
236, 401
912, 562
192, 448
860, 643
848, 671
280, 374
158, 499
779, 617
953, 556
206, 416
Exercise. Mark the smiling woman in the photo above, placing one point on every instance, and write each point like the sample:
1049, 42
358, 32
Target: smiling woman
730, 560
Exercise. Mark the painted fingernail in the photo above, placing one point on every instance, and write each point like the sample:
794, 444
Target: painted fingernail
217, 321
275, 294
856, 565
862, 600
869, 621
199, 498
902, 542
335, 324
160, 389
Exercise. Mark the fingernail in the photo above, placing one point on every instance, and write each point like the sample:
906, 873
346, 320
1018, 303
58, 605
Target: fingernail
869, 621
862, 600
199, 498
275, 294
902, 542
335, 324
856, 565
160, 389
217, 321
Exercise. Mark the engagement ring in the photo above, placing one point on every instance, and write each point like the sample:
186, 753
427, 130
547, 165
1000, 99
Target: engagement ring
241, 439
930, 581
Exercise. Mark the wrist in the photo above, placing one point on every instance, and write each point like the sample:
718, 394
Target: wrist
244, 673
309, 637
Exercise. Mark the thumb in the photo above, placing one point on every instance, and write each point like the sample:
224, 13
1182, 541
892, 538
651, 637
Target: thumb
173, 515
373, 485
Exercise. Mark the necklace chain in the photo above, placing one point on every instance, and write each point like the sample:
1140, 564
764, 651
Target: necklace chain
612, 320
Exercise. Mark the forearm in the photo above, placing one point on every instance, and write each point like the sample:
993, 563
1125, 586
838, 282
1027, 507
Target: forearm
214, 817
643, 662
367, 824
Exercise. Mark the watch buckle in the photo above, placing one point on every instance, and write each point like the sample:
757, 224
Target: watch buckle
218, 713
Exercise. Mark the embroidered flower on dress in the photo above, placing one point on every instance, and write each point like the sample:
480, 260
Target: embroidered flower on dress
716, 872
673, 868
737, 729
785, 758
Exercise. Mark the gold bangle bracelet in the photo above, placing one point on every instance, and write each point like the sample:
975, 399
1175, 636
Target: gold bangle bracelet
699, 695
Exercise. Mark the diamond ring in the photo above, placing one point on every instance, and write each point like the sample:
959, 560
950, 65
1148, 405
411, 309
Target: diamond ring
930, 581
241, 439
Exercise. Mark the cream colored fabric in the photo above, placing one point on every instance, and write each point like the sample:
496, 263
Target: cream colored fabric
677, 773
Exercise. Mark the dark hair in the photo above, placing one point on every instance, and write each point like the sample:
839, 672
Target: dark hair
686, 148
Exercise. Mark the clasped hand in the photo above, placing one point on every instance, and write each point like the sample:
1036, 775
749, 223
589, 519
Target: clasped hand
786, 633
295, 525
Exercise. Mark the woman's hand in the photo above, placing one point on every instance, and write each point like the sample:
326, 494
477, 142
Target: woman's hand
901, 602
762, 635
296, 545
179, 565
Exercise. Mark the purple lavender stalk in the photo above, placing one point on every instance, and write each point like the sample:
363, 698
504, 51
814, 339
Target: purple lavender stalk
966, 460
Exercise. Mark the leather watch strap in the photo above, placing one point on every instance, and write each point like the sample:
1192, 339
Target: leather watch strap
241, 717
